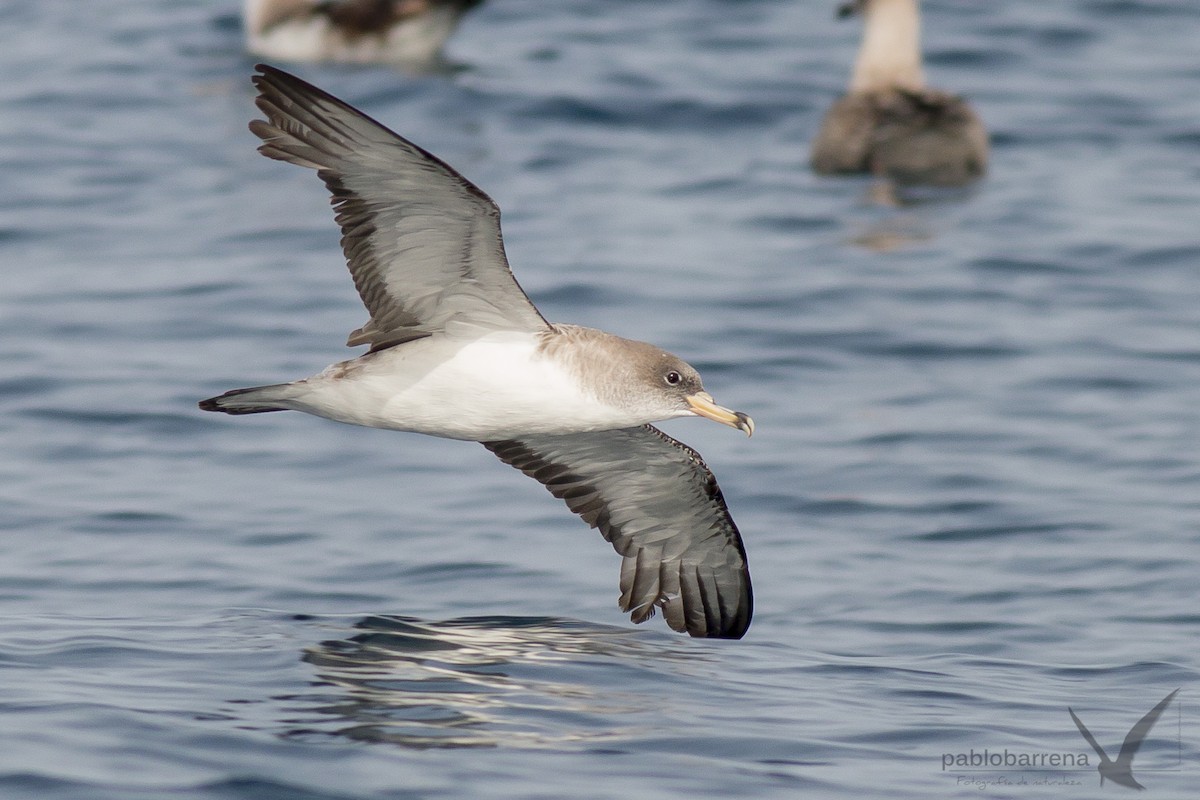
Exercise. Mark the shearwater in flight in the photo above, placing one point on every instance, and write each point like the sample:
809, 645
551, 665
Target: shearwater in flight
457, 350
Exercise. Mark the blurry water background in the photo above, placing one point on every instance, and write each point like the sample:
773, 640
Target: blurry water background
973, 499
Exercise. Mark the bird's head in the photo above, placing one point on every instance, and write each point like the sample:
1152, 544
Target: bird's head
677, 385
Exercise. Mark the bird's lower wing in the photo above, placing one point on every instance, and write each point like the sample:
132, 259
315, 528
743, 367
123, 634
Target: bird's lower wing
658, 504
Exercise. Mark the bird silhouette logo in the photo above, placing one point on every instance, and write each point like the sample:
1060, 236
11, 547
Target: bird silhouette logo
1121, 770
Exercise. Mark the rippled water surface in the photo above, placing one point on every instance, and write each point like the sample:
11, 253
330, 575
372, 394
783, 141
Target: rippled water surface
973, 499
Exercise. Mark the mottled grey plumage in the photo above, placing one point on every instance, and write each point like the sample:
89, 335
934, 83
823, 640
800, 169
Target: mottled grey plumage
890, 124
658, 504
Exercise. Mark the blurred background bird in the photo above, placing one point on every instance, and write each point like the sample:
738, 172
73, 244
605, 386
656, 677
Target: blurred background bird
353, 31
890, 123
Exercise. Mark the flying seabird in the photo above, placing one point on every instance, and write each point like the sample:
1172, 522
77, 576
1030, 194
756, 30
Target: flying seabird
356, 31
889, 123
458, 350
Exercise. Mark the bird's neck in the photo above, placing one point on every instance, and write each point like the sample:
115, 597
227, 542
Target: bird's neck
890, 56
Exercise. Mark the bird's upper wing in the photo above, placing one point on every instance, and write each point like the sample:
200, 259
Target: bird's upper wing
661, 508
423, 243
1138, 733
1088, 735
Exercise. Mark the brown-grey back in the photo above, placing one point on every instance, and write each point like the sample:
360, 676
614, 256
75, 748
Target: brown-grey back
925, 136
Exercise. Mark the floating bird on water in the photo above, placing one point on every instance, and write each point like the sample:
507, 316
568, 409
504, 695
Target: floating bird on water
890, 124
458, 350
357, 31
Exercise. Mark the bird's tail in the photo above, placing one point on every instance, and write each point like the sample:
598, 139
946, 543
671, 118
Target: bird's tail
253, 400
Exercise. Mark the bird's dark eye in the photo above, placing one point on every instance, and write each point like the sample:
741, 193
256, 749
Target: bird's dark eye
673, 378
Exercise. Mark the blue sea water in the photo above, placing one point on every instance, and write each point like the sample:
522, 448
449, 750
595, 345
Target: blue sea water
973, 499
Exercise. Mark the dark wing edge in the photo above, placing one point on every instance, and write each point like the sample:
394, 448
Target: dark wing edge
311, 128
654, 499
1138, 733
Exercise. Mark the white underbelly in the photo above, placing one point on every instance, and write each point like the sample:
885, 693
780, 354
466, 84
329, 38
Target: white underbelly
497, 387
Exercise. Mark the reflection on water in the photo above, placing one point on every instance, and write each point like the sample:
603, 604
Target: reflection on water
892, 233
889, 235
905, 214
487, 681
